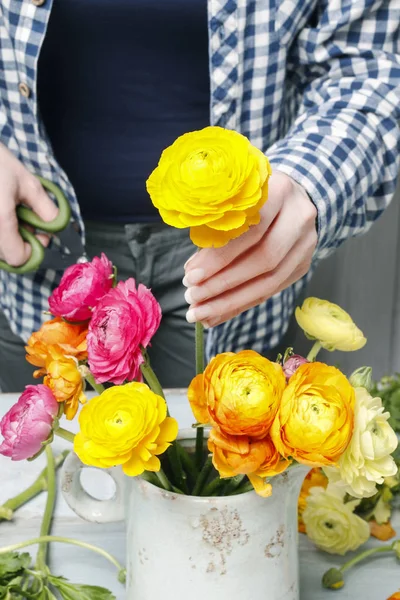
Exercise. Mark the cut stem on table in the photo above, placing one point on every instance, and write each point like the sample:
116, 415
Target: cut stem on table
47, 539
41, 559
37, 487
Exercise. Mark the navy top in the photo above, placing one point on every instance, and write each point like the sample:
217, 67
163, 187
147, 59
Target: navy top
118, 81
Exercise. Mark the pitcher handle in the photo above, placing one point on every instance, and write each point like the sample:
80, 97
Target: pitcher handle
82, 503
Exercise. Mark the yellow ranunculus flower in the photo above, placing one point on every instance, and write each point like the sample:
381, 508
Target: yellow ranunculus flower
330, 325
238, 394
65, 380
126, 425
213, 181
315, 478
331, 523
315, 420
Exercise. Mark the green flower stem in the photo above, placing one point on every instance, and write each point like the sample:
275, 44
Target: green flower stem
173, 452
188, 463
165, 483
65, 434
203, 476
47, 539
199, 339
151, 478
151, 378
245, 487
213, 487
312, 355
98, 387
232, 484
364, 555
38, 486
154, 480
41, 558
176, 466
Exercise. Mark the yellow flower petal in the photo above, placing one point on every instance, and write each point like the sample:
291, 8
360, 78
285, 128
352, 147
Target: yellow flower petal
261, 487
211, 181
330, 325
126, 425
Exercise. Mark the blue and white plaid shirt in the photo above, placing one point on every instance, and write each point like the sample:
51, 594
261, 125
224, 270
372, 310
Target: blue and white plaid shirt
313, 83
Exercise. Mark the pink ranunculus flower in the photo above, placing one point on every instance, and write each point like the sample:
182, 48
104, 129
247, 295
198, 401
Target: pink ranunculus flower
80, 289
28, 423
292, 364
123, 322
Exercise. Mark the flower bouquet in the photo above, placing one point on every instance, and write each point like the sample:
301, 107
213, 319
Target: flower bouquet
259, 426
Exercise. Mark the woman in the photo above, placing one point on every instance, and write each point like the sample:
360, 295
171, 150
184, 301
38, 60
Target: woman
90, 93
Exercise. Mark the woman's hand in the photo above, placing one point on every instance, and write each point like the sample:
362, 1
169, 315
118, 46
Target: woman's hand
19, 186
224, 282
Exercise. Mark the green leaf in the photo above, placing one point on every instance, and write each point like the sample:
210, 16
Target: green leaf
75, 591
13, 563
46, 594
12, 589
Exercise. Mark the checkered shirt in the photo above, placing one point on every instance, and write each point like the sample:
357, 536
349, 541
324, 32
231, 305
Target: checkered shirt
313, 83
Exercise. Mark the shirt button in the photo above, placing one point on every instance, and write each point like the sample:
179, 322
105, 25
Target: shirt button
24, 90
38, 2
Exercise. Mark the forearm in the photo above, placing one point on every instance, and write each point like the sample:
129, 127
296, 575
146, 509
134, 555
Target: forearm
343, 148
347, 160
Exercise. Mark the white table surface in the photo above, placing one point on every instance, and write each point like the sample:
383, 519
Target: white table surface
373, 580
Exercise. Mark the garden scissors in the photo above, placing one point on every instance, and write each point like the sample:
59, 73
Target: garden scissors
68, 249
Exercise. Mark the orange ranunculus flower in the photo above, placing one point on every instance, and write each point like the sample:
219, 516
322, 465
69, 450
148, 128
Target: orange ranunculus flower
243, 455
315, 420
213, 181
383, 531
315, 478
238, 394
197, 399
65, 381
69, 339
395, 596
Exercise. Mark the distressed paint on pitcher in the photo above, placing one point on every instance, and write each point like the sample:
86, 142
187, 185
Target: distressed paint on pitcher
240, 546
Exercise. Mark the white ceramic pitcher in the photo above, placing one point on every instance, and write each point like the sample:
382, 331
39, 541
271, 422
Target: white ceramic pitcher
241, 547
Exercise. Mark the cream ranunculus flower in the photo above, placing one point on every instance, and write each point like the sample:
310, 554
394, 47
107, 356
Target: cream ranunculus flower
331, 524
367, 460
330, 325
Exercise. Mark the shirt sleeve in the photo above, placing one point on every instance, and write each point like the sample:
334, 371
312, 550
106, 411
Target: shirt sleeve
344, 145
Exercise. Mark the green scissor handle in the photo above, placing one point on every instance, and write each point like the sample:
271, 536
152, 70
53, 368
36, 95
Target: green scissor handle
26, 215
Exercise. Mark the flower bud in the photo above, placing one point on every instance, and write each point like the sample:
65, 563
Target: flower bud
6, 513
362, 377
333, 579
396, 548
292, 364
28, 424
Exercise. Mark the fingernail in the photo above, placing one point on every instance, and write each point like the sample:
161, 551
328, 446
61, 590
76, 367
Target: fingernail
188, 296
188, 260
197, 314
191, 316
193, 277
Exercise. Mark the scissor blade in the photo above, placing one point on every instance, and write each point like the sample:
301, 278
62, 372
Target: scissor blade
66, 250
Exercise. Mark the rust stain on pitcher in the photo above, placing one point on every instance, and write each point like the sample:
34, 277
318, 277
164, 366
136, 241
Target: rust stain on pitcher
222, 530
